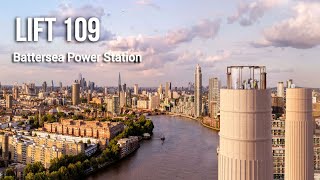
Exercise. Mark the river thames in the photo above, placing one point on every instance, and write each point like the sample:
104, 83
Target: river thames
188, 152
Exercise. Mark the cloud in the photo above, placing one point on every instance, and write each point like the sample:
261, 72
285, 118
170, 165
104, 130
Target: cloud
301, 31
204, 29
222, 55
280, 70
191, 58
158, 50
249, 13
65, 11
148, 3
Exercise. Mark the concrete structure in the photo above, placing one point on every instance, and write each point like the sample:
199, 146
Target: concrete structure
15, 92
198, 91
277, 105
134, 102
75, 94
278, 148
160, 90
30, 149
185, 106
89, 97
280, 89
119, 84
113, 104
214, 97
128, 145
9, 101
136, 89
289, 83
154, 102
142, 104
299, 135
123, 101
245, 140
167, 89
128, 98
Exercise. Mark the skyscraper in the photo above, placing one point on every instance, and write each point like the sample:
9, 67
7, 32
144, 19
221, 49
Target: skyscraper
136, 89
299, 163
75, 93
122, 98
214, 97
119, 84
245, 150
8, 101
198, 91
128, 98
167, 89
105, 90
91, 86
52, 86
44, 86
124, 87
280, 89
160, 90
15, 92
289, 83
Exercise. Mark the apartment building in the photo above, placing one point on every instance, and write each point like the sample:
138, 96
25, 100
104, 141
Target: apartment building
95, 129
128, 145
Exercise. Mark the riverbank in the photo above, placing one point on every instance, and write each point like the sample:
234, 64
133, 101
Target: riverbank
193, 118
174, 158
101, 167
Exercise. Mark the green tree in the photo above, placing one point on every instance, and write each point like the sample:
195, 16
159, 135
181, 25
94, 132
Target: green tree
63, 171
72, 169
8, 178
94, 162
54, 175
10, 172
86, 164
29, 176
80, 169
61, 114
34, 168
40, 176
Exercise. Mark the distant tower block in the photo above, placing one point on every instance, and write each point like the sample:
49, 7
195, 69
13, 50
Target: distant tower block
299, 135
245, 151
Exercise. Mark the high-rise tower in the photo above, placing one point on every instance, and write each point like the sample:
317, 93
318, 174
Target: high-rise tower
198, 91
299, 135
214, 97
75, 93
245, 150
52, 86
167, 89
136, 89
15, 92
44, 86
289, 83
280, 89
9, 101
160, 89
119, 84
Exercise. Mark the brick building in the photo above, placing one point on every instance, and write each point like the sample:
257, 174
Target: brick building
95, 129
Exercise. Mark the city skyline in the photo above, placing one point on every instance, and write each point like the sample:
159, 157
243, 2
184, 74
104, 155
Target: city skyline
266, 32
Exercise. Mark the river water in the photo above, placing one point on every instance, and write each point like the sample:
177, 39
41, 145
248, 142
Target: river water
188, 152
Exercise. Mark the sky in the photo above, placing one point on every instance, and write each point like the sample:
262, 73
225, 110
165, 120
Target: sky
172, 37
